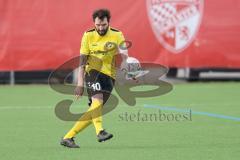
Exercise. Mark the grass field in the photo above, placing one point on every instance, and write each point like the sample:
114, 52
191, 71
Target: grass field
30, 129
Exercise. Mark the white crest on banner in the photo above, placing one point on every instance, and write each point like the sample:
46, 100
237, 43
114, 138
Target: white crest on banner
175, 22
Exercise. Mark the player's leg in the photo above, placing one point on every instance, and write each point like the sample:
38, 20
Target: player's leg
93, 114
102, 135
99, 95
81, 124
96, 107
96, 111
107, 86
84, 121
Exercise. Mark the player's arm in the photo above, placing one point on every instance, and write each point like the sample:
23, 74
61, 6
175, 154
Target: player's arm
81, 71
84, 52
122, 49
83, 62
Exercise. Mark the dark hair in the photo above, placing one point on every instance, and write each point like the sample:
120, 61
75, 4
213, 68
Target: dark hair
101, 14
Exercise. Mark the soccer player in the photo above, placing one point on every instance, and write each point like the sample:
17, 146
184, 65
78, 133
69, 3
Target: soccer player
99, 46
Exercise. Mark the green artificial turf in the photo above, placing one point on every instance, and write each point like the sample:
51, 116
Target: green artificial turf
31, 130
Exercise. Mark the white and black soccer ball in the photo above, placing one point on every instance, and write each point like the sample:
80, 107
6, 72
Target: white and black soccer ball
132, 68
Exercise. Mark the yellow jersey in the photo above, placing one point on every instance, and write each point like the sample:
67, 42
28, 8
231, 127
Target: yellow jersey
101, 50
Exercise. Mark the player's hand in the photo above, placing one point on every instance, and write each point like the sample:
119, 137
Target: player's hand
78, 92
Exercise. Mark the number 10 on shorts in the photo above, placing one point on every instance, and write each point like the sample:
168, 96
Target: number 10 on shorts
95, 86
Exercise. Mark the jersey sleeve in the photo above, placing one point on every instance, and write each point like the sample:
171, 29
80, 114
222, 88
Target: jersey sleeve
84, 49
122, 48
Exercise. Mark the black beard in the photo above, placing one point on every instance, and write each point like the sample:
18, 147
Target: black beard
103, 32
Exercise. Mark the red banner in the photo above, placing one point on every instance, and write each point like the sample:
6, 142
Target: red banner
42, 34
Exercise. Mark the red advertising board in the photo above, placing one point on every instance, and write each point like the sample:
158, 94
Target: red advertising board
42, 34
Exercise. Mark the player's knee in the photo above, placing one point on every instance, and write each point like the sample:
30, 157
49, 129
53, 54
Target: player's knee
98, 96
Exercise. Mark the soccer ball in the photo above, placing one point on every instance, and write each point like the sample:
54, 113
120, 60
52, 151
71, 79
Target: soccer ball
132, 68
